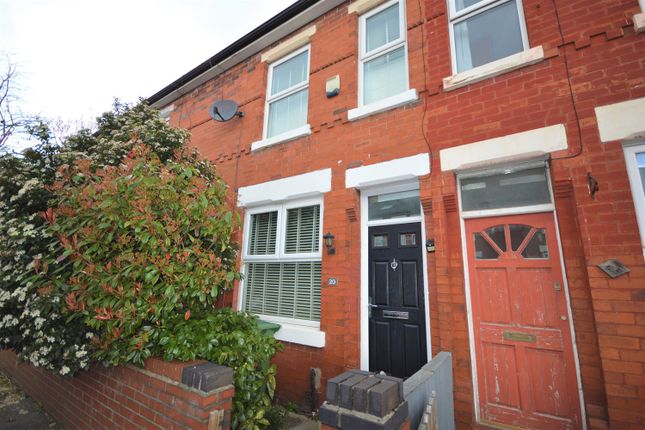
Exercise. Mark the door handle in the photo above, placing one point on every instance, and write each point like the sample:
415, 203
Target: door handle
370, 306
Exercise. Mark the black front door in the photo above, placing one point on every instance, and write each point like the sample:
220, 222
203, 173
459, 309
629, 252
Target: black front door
397, 317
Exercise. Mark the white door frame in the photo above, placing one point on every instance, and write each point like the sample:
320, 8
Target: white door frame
524, 210
364, 297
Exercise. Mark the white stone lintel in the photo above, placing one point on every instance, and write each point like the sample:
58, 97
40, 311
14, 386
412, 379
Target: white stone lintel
289, 45
361, 6
294, 187
399, 169
511, 148
624, 121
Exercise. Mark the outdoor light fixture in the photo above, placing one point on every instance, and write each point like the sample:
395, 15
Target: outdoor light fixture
329, 243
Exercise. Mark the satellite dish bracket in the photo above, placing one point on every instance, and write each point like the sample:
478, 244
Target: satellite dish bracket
224, 110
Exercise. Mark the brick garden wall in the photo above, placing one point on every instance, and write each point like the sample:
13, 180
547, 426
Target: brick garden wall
121, 397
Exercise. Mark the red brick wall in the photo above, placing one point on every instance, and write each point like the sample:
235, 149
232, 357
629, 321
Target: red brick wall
121, 397
603, 64
335, 143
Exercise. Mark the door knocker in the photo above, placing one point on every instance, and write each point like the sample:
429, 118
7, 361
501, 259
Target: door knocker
394, 264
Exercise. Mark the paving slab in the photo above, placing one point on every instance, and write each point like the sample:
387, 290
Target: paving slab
300, 422
19, 411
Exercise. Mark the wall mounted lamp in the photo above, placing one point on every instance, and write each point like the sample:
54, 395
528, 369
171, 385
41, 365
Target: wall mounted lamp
329, 243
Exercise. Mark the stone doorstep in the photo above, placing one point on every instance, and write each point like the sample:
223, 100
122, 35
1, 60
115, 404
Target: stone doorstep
300, 422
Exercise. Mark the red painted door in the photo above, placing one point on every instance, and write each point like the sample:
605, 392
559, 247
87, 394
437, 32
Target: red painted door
524, 352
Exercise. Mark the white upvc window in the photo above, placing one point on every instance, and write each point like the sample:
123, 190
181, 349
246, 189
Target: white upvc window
287, 94
282, 262
483, 31
383, 66
635, 160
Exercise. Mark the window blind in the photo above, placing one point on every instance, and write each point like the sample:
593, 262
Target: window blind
303, 230
289, 290
263, 233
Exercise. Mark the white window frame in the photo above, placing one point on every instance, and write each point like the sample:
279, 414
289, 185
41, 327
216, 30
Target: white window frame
280, 256
284, 93
365, 56
636, 186
471, 11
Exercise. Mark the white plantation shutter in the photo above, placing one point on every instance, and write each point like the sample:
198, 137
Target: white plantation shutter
288, 290
303, 230
289, 286
263, 233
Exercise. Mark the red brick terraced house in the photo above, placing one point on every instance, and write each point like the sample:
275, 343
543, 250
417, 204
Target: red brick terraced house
418, 176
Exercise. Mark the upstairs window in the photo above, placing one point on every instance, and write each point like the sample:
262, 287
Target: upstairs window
283, 263
483, 31
287, 94
383, 53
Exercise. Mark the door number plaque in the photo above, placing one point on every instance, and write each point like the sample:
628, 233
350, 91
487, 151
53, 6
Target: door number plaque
396, 315
519, 336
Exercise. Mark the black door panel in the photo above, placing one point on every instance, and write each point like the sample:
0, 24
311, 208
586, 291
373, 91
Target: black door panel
397, 318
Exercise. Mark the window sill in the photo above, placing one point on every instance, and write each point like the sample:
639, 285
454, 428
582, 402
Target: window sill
495, 68
308, 336
639, 22
404, 98
305, 130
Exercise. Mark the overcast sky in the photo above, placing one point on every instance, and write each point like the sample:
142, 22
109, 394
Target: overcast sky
75, 56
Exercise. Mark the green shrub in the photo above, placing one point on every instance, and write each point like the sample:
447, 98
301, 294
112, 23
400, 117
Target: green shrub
32, 323
113, 259
141, 243
230, 339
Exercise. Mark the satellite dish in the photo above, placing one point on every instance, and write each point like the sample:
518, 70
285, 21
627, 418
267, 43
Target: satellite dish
224, 110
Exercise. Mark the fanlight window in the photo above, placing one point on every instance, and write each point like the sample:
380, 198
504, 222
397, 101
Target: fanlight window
520, 240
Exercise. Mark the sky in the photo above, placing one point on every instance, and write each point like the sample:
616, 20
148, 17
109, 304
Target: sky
75, 56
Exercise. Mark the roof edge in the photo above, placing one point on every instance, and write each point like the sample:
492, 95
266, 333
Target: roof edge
251, 43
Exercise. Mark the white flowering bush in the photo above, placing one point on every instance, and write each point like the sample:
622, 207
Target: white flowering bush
33, 321
29, 323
